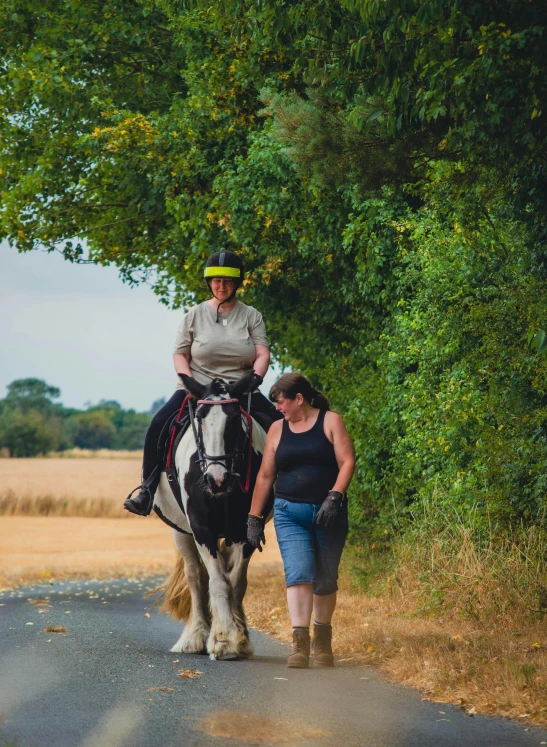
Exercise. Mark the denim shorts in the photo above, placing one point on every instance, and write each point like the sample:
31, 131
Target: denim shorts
311, 554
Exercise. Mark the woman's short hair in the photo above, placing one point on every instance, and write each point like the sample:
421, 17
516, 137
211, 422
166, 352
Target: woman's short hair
291, 384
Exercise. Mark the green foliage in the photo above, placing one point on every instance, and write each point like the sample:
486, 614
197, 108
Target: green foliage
31, 394
28, 434
30, 424
386, 189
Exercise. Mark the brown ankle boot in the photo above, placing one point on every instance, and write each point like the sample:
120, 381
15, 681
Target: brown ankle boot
321, 645
299, 659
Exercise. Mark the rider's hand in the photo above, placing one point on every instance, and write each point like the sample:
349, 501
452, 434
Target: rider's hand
255, 531
255, 382
330, 508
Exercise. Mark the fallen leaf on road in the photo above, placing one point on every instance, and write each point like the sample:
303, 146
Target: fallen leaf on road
55, 629
189, 674
40, 602
146, 614
160, 689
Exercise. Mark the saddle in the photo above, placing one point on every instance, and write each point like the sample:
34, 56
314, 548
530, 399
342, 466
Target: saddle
169, 439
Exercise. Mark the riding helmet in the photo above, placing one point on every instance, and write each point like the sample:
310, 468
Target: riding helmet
224, 265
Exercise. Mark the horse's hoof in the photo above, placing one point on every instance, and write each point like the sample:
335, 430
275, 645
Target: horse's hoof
229, 657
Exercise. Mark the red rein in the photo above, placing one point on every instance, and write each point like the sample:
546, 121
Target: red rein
173, 435
248, 418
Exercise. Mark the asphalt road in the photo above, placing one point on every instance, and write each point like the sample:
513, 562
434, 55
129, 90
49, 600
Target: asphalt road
95, 685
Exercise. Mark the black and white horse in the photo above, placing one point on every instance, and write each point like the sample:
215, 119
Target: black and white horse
217, 468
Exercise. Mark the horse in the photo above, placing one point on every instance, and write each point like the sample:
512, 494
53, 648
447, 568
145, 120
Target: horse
217, 461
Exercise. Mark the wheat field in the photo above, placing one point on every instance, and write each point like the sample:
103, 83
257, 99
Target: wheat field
59, 518
75, 486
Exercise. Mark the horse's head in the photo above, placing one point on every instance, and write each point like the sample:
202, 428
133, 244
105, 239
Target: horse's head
219, 430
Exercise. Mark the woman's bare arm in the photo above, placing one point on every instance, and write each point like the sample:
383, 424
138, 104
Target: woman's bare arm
268, 472
262, 359
182, 363
338, 435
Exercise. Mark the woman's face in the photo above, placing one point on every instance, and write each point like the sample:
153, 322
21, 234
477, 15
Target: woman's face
290, 408
222, 288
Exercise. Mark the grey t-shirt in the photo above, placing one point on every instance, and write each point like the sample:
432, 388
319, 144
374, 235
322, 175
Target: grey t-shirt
225, 348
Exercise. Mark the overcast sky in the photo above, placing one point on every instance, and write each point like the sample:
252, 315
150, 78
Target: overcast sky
81, 329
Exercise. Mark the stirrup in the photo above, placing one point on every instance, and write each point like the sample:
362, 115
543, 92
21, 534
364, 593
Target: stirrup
133, 507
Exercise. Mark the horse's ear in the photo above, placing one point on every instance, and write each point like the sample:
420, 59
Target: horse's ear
193, 387
241, 386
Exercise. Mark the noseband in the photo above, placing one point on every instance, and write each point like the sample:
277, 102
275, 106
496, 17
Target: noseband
205, 460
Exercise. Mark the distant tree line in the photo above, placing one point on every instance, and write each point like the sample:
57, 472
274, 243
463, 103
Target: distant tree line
32, 422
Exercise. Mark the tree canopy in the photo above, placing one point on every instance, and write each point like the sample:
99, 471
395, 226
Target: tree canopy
380, 166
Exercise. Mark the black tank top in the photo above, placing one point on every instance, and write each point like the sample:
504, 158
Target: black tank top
306, 465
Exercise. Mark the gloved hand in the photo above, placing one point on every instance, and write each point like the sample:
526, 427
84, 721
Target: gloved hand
255, 531
330, 508
255, 382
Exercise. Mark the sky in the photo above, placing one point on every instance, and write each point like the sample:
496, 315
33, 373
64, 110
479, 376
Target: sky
81, 329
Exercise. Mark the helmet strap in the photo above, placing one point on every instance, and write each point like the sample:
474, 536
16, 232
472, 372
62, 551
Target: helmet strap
226, 300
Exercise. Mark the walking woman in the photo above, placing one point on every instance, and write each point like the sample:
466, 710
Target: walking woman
223, 338
309, 456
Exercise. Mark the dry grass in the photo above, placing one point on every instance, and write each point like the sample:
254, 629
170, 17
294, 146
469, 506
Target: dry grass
67, 487
35, 549
84, 454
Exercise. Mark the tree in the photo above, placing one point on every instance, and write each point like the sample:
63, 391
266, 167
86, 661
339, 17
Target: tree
94, 430
386, 189
27, 434
156, 405
31, 394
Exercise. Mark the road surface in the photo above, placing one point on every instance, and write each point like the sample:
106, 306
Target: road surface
110, 681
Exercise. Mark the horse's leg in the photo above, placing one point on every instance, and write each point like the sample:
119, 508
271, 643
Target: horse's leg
196, 629
228, 633
237, 566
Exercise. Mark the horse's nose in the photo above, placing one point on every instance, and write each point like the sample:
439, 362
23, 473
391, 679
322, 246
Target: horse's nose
216, 478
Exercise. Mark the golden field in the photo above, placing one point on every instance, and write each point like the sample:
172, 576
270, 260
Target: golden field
74, 486
59, 518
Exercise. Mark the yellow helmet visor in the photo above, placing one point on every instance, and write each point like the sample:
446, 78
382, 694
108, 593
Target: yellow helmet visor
222, 272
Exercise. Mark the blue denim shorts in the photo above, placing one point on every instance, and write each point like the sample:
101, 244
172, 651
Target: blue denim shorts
311, 554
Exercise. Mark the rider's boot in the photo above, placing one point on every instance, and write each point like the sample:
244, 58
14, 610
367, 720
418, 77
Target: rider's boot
142, 503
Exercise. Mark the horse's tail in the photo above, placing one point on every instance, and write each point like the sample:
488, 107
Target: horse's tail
174, 594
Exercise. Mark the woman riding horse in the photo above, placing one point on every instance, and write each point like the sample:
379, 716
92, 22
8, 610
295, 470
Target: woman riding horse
219, 338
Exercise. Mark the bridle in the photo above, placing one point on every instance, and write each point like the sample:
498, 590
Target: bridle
205, 460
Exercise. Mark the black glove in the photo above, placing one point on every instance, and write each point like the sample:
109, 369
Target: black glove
330, 508
255, 531
255, 382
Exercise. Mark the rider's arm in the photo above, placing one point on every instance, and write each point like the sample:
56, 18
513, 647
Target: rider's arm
343, 450
182, 363
266, 476
262, 359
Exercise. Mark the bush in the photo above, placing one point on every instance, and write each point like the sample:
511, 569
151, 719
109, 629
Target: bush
28, 434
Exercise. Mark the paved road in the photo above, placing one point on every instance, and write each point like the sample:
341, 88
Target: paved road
93, 686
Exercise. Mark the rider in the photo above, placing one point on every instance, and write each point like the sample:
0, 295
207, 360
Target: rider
221, 337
